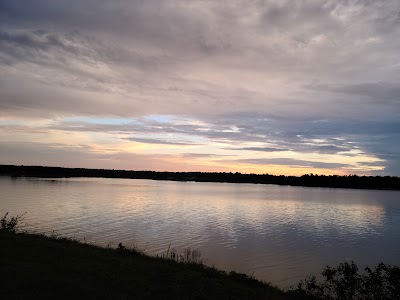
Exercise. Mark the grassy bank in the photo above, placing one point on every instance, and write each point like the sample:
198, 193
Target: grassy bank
35, 266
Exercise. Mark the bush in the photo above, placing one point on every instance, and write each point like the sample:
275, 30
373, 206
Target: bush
345, 283
10, 225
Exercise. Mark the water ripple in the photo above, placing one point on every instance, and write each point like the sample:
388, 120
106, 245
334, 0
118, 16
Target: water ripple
281, 234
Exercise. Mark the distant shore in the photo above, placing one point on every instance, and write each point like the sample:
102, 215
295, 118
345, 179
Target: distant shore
308, 180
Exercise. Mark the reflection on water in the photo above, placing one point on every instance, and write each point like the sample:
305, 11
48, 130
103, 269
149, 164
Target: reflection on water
280, 233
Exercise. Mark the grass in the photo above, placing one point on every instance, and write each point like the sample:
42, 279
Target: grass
37, 266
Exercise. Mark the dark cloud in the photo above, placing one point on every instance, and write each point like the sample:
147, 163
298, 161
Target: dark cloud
384, 92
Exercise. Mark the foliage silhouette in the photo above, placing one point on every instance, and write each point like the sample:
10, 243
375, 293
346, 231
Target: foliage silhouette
10, 225
345, 283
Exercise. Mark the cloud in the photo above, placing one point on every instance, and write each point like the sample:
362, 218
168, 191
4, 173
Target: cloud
32, 153
261, 149
158, 141
48, 154
313, 76
118, 49
327, 137
292, 162
328, 149
384, 92
203, 155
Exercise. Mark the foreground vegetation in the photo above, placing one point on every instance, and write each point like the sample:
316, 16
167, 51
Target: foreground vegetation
37, 266
333, 181
346, 283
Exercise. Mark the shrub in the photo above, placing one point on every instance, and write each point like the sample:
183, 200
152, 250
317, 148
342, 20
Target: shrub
10, 225
345, 283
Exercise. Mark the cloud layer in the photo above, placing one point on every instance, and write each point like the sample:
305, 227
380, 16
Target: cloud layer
305, 86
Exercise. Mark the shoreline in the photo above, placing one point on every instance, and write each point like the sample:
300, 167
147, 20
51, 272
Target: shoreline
308, 180
43, 266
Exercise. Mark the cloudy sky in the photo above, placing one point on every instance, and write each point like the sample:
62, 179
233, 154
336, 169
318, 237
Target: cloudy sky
278, 86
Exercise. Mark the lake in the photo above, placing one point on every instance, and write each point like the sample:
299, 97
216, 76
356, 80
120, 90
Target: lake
277, 233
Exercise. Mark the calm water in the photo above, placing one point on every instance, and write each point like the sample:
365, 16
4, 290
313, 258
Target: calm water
280, 233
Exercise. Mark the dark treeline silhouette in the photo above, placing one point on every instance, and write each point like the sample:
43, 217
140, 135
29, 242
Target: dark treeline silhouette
310, 180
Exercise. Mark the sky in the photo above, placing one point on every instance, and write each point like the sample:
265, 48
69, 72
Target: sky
275, 86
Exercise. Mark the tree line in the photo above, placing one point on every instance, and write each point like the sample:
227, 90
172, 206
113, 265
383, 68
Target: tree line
308, 180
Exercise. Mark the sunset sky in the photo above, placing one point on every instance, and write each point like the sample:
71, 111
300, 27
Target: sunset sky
279, 87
